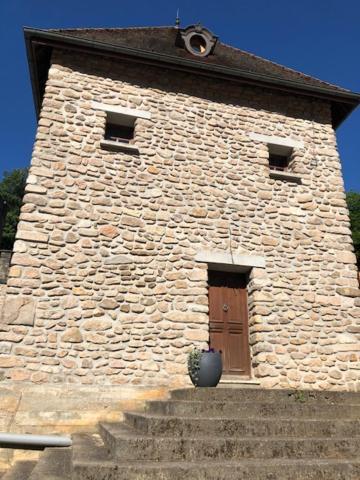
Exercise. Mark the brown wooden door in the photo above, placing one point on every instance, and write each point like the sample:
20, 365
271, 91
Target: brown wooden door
228, 312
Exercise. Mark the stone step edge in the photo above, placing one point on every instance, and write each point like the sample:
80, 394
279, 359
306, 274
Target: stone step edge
123, 431
149, 415
251, 405
55, 463
285, 401
240, 382
244, 405
212, 463
21, 467
90, 443
280, 391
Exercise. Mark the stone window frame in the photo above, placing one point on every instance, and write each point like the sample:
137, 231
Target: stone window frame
281, 146
122, 116
207, 40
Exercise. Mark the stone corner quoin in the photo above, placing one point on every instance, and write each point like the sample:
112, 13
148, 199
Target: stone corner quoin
105, 286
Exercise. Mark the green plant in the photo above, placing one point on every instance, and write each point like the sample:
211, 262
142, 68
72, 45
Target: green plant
194, 364
12, 188
353, 202
300, 396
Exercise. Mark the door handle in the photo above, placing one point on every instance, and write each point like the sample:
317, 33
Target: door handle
225, 307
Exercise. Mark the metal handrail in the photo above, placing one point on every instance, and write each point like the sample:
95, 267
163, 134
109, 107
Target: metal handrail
13, 440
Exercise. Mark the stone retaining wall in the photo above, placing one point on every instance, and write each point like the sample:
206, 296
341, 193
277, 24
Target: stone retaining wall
104, 286
64, 409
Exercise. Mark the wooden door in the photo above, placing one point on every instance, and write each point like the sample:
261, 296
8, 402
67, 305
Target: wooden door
228, 312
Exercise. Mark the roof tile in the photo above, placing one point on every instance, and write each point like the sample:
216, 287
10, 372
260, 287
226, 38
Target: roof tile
162, 40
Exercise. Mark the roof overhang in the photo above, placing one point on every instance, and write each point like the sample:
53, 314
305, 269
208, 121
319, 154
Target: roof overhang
40, 43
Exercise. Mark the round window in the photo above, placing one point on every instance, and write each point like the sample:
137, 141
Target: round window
198, 44
197, 40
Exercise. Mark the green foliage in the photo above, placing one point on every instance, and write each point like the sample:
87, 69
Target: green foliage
194, 365
353, 202
299, 396
12, 191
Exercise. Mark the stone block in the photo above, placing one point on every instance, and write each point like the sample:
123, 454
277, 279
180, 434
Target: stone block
109, 231
348, 291
72, 335
346, 257
32, 236
19, 310
97, 324
197, 335
118, 260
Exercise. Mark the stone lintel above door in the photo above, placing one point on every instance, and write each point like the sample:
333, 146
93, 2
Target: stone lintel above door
228, 262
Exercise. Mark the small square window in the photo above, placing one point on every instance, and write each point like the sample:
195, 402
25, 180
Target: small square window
119, 133
120, 127
281, 163
278, 162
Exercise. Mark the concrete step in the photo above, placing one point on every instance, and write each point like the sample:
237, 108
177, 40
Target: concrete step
125, 444
295, 410
167, 426
89, 447
217, 434
53, 464
248, 395
311, 469
19, 471
91, 460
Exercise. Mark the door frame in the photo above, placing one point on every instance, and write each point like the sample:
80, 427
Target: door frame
228, 261
245, 274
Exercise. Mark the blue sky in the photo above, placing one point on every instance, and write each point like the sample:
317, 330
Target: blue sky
320, 38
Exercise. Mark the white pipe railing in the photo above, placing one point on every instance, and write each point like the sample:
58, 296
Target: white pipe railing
10, 439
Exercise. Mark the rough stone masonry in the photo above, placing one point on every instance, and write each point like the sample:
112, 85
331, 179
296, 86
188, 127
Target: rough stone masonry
104, 286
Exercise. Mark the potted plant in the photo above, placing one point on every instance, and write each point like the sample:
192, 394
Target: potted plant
205, 367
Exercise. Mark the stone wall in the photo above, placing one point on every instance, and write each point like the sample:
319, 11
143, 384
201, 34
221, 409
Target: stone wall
64, 409
5, 257
2, 302
104, 287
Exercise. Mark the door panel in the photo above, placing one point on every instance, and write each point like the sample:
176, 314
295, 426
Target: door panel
229, 320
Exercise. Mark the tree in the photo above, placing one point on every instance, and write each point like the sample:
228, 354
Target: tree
12, 189
353, 201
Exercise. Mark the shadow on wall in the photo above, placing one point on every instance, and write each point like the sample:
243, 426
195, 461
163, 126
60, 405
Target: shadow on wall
222, 91
5, 258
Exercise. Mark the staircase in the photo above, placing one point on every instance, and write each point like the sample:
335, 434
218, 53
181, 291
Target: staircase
219, 434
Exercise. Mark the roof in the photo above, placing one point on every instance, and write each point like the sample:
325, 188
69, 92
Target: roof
161, 46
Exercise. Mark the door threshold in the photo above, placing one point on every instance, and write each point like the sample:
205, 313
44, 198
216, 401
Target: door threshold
239, 380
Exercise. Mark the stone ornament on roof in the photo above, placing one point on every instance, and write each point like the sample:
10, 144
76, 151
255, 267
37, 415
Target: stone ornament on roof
198, 40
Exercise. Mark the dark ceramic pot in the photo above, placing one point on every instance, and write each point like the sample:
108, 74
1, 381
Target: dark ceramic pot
210, 370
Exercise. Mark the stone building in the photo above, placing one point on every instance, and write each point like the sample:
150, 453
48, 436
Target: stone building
180, 191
